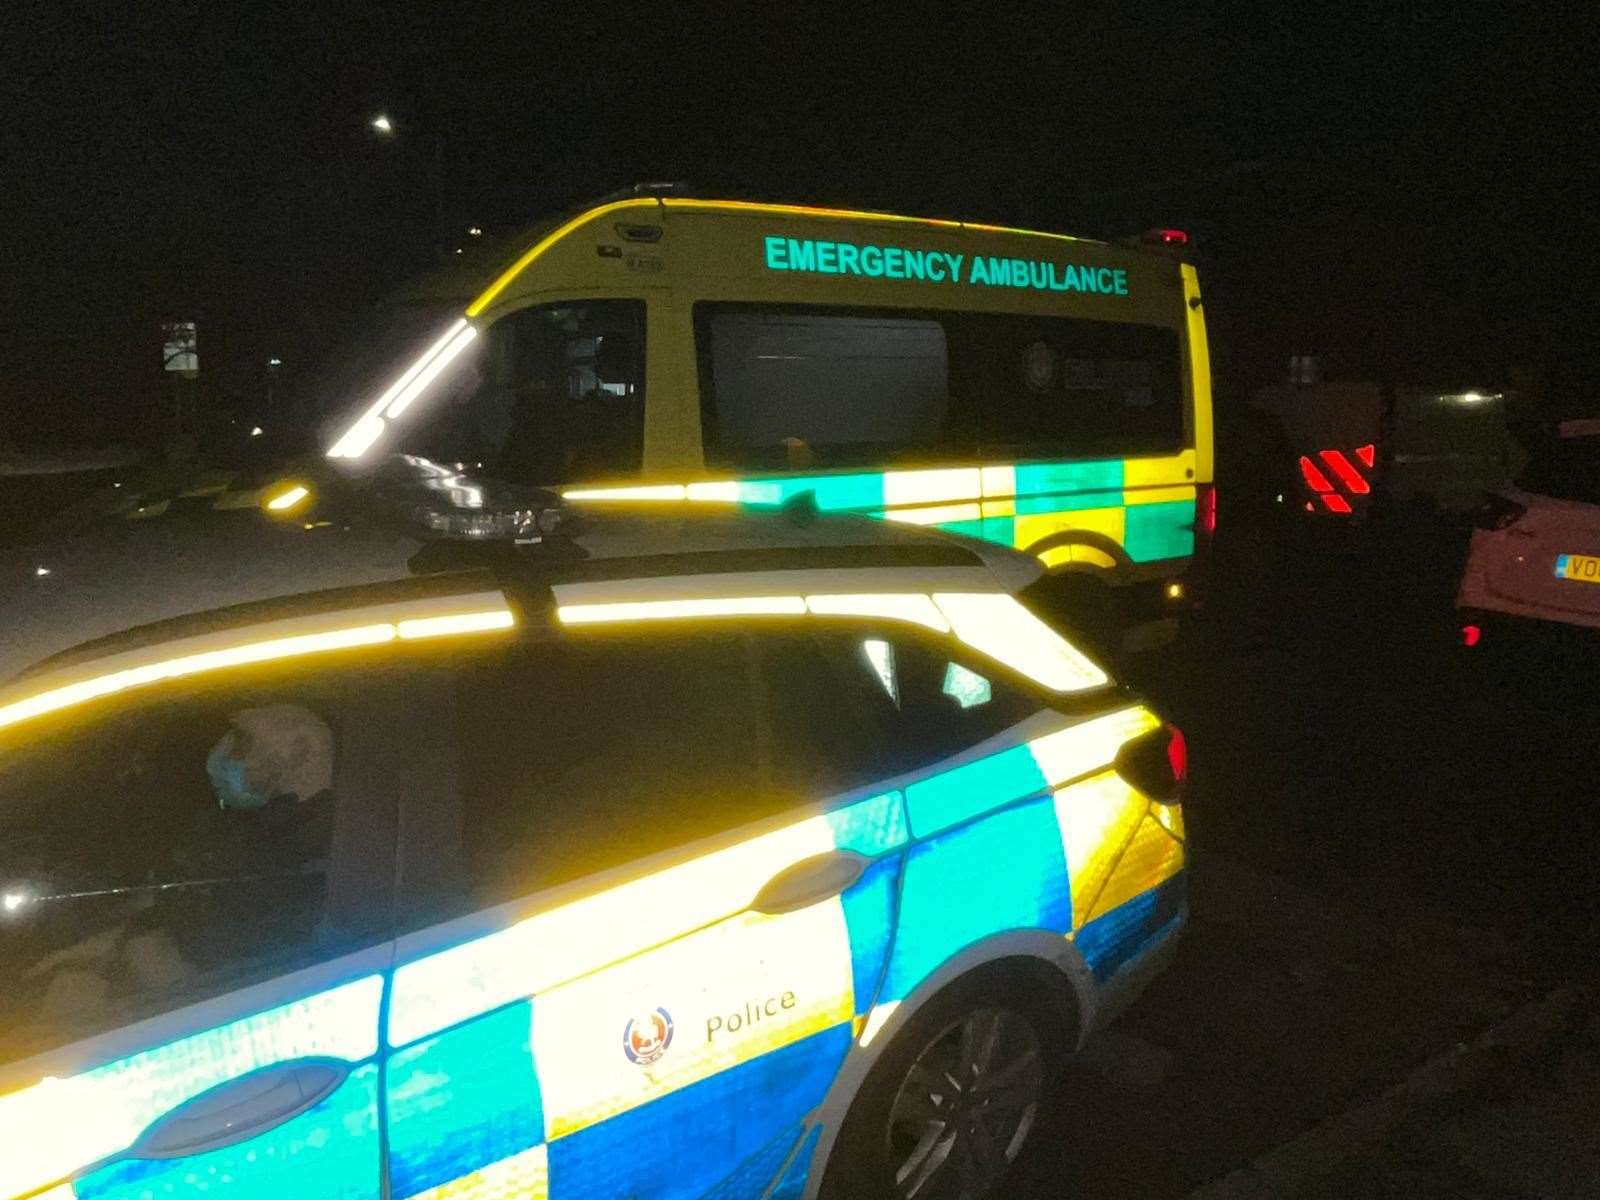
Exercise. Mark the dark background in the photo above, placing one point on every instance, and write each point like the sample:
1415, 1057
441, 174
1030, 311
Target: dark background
1404, 192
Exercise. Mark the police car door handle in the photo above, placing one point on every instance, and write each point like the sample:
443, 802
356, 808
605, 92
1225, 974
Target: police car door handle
241, 1108
810, 880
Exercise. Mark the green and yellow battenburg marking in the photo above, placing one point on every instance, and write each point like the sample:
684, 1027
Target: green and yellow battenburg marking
1144, 505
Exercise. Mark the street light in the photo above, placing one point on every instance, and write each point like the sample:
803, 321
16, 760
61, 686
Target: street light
384, 127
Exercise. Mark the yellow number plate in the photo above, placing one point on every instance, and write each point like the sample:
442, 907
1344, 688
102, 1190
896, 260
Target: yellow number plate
1583, 567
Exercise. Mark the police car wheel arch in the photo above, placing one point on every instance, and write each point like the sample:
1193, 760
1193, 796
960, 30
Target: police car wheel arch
1017, 949
948, 1002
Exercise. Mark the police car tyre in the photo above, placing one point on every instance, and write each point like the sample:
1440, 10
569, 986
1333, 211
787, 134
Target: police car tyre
954, 1100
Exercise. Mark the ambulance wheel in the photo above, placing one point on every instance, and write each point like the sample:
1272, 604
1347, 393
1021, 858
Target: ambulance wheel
951, 1104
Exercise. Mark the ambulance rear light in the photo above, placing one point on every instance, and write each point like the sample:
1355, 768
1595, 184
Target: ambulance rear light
1205, 510
1165, 237
1157, 764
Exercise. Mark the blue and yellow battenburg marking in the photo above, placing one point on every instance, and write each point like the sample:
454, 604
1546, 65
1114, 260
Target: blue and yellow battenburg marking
1146, 506
764, 1008
60, 1126
509, 1069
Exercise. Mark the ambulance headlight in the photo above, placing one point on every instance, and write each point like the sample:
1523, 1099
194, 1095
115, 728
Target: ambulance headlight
443, 501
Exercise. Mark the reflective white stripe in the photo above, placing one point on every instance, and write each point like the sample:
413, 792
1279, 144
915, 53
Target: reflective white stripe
659, 491
809, 581
264, 642
369, 427
998, 626
473, 622
193, 664
563, 943
993, 623
654, 610
939, 514
999, 483
429, 373
931, 487
1081, 748
725, 490
909, 607
358, 439
289, 498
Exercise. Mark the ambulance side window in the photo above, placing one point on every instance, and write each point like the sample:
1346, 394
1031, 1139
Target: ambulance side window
552, 394
809, 386
591, 752
1053, 386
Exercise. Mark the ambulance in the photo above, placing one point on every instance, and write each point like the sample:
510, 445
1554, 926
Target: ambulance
1043, 392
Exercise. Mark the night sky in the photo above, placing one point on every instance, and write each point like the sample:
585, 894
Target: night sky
1408, 194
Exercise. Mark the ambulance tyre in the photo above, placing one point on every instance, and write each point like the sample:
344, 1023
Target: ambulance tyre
951, 1104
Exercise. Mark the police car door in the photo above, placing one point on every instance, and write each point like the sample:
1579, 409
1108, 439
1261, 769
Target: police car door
661, 1018
193, 941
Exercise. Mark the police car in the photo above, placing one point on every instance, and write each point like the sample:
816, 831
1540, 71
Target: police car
1534, 564
576, 852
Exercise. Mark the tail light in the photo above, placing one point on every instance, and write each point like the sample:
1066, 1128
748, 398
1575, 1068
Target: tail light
1205, 510
1156, 763
1471, 635
1497, 512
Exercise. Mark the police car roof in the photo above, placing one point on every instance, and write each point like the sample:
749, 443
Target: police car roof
143, 583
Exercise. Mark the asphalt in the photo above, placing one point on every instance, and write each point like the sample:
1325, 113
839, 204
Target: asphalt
1395, 850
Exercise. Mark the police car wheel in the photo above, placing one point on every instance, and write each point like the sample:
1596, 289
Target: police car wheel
949, 1107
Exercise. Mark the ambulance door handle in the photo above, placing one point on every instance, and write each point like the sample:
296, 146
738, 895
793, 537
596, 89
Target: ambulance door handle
809, 881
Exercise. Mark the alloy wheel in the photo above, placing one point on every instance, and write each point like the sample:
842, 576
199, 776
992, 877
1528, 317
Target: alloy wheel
965, 1107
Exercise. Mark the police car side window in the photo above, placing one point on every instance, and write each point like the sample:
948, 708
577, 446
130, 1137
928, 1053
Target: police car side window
188, 843
830, 721
596, 750
948, 703
852, 705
